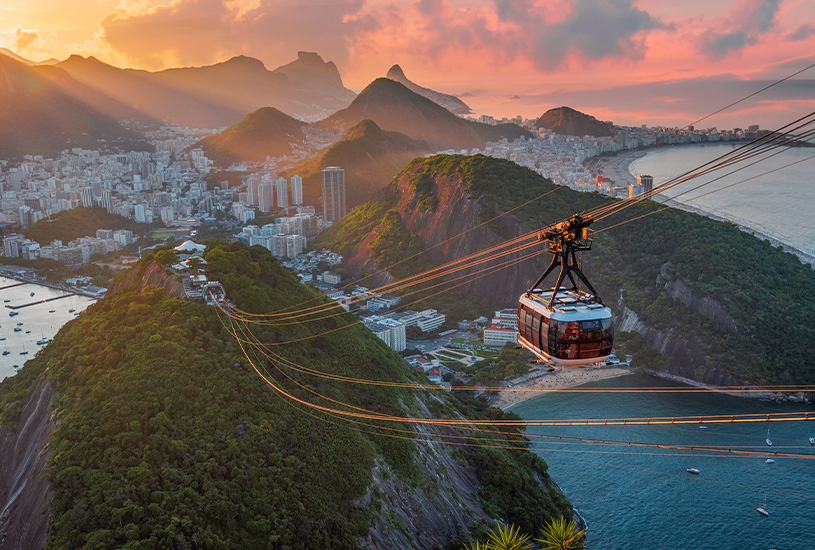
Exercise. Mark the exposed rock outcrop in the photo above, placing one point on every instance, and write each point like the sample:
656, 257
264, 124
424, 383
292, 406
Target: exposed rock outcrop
151, 275
706, 307
24, 489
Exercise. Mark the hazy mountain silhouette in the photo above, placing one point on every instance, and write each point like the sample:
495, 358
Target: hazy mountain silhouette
370, 156
265, 132
396, 108
211, 96
42, 110
310, 69
449, 102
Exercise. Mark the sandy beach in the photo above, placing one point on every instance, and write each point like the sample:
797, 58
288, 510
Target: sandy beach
564, 377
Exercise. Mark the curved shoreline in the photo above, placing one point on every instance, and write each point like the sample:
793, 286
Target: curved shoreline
617, 169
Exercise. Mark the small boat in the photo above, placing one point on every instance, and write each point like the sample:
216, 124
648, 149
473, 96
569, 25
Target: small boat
812, 440
6, 352
703, 427
19, 324
763, 509
23, 353
769, 443
17, 329
16, 366
692, 470
71, 310
769, 461
42, 342
51, 310
32, 294
3, 338
13, 313
6, 301
28, 332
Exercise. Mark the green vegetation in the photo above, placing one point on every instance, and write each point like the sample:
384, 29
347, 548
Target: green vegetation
79, 222
167, 436
743, 302
510, 363
557, 534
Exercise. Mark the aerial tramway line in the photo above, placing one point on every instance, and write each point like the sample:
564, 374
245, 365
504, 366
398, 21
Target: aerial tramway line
567, 324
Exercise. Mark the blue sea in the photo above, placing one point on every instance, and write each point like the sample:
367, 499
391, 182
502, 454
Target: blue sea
644, 498
37, 319
778, 205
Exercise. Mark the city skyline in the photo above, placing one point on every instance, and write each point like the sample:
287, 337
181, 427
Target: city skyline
505, 57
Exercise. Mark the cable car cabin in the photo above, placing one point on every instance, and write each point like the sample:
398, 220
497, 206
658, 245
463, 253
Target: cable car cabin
576, 331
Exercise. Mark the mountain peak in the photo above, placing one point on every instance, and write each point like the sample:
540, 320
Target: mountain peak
310, 69
449, 102
571, 122
244, 61
396, 73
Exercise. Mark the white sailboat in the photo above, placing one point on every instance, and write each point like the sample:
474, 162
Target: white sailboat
763, 509
812, 440
769, 443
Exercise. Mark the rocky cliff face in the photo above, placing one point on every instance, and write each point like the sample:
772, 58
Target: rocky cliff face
24, 490
150, 275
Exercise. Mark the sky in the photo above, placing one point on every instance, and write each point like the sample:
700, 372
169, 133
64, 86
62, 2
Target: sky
623, 60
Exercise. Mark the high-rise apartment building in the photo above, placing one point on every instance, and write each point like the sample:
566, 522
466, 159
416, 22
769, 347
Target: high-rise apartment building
265, 199
282, 193
252, 184
333, 193
647, 182
296, 190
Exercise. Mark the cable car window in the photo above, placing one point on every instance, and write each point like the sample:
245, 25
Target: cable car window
568, 331
522, 322
590, 350
544, 333
567, 351
536, 329
608, 328
591, 331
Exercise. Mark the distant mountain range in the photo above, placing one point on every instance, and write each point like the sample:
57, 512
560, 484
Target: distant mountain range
220, 94
262, 133
43, 110
569, 122
396, 108
370, 157
449, 102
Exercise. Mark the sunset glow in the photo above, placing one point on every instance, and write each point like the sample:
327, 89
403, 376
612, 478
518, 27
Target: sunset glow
492, 49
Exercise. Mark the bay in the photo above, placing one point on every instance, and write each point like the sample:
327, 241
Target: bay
645, 498
778, 205
36, 318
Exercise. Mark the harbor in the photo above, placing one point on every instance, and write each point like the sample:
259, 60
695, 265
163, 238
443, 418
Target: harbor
33, 320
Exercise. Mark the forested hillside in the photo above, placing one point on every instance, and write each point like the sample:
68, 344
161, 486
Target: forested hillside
79, 222
166, 437
695, 296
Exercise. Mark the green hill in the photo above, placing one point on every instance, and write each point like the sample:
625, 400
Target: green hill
265, 132
166, 436
569, 122
370, 157
79, 222
697, 297
393, 107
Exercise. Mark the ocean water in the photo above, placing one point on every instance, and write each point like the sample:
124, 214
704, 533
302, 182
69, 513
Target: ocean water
778, 205
36, 318
644, 498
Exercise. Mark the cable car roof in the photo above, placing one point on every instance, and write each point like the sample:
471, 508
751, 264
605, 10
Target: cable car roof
567, 307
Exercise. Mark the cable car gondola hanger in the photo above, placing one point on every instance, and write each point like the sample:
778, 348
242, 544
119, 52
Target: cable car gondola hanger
566, 326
